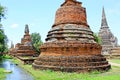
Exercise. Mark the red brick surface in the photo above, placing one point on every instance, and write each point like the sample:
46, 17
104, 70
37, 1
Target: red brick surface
70, 44
71, 12
25, 48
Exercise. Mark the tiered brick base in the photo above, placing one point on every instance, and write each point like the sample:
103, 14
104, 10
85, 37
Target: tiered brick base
25, 51
71, 57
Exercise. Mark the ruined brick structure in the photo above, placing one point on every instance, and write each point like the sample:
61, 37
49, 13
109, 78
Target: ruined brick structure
109, 41
25, 48
115, 53
70, 44
12, 50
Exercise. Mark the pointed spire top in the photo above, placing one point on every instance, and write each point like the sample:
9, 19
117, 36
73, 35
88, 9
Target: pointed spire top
104, 21
26, 28
12, 45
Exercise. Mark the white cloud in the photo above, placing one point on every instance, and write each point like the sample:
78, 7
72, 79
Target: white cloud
14, 25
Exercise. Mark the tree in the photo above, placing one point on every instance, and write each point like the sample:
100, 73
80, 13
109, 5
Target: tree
3, 37
36, 41
2, 12
3, 41
97, 38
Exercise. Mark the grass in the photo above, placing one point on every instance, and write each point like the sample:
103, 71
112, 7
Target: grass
2, 74
5, 56
115, 60
27, 57
113, 74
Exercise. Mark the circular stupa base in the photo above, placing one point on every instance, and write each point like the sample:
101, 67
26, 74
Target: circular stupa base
71, 57
72, 63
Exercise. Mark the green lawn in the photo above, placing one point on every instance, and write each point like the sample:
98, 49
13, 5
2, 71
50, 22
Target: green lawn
2, 74
113, 74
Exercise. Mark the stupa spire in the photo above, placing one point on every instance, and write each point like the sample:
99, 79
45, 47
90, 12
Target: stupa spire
108, 39
26, 28
104, 20
12, 45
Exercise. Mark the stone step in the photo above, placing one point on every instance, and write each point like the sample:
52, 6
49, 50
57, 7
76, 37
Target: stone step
72, 69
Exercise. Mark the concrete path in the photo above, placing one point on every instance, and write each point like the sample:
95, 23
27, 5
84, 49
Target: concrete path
114, 64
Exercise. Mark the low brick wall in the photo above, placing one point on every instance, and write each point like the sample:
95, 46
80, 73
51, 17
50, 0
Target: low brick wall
28, 60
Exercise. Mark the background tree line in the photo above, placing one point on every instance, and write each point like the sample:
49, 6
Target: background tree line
3, 37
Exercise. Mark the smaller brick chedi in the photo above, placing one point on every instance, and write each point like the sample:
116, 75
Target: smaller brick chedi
25, 48
70, 44
12, 50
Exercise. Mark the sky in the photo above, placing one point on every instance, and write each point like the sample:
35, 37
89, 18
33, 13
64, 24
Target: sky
40, 16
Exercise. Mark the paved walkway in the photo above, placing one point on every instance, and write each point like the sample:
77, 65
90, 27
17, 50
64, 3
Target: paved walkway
114, 64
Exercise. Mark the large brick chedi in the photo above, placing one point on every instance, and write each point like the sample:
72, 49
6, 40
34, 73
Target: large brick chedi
70, 44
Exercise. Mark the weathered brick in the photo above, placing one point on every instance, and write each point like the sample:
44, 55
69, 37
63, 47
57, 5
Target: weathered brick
24, 48
70, 44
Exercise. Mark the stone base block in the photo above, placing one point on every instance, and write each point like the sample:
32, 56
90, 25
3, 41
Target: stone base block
80, 63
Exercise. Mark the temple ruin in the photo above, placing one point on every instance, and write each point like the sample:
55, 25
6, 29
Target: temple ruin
25, 48
70, 45
12, 50
109, 41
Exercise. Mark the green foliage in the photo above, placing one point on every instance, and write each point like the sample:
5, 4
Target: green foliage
36, 41
5, 56
97, 38
3, 41
3, 37
2, 12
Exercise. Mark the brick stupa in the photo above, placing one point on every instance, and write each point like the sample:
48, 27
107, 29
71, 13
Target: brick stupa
70, 44
25, 48
109, 41
12, 50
